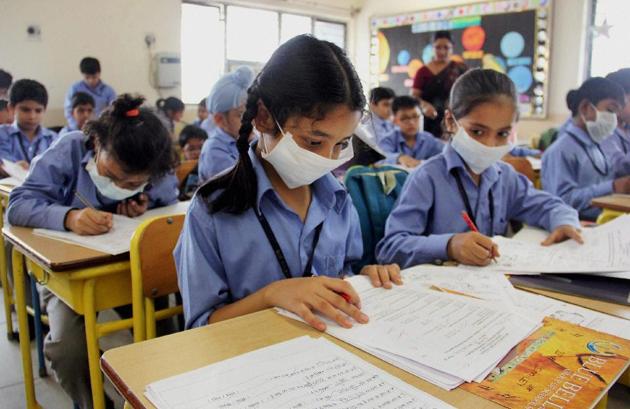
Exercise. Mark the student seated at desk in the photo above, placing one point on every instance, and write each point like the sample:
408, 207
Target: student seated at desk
407, 144
26, 138
82, 111
575, 167
191, 139
379, 121
124, 166
278, 229
202, 113
617, 146
426, 224
170, 111
226, 103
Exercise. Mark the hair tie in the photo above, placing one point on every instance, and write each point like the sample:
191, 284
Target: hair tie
132, 113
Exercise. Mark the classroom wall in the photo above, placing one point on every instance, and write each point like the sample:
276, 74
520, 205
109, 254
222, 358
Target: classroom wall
113, 31
568, 52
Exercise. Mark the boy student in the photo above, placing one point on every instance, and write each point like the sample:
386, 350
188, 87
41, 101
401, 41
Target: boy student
91, 84
407, 145
191, 139
5, 83
82, 111
379, 122
26, 138
202, 113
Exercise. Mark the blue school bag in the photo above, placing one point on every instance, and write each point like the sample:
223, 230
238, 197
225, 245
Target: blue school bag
374, 191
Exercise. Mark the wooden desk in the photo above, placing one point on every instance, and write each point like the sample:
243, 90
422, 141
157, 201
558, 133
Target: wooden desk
87, 281
619, 203
132, 367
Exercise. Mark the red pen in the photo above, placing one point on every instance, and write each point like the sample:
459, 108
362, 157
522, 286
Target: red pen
472, 227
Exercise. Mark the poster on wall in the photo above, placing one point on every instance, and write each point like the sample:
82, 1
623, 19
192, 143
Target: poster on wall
508, 36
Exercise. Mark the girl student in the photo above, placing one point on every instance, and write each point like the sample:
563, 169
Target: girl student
122, 164
170, 110
575, 167
426, 224
278, 229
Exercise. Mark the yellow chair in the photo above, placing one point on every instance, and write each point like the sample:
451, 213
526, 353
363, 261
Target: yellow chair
153, 272
607, 215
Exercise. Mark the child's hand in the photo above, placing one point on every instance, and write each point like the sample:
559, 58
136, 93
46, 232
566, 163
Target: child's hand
88, 221
408, 161
562, 233
472, 248
304, 296
24, 164
382, 276
133, 207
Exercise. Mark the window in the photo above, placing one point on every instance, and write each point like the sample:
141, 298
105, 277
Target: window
333, 32
252, 34
293, 25
609, 36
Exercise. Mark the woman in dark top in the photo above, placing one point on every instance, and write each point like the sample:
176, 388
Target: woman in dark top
432, 83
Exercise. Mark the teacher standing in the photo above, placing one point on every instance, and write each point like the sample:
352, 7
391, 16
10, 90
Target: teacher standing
432, 83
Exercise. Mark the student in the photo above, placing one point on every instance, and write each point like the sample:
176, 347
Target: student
202, 113
122, 164
6, 80
6, 116
170, 110
91, 84
426, 223
574, 167
379, 120
407, 145
191, 139
82, 111
306, 102
617, 146
26, 138
226, 103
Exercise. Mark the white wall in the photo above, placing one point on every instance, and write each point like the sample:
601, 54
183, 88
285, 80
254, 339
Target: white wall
567, 62
112, 31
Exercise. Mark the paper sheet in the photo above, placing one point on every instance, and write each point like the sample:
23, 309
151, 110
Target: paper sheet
14, 170
302, 373
11, 181
535, 162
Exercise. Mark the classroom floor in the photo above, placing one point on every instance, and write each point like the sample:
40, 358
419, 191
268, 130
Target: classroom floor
51, 396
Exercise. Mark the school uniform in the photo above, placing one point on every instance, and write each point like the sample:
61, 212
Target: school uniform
378, 126
218, 153
428, 212
222, 258
394, 145
208, 125
15, 145
166, 121
103, 96
575, 169
617, 149
67, 129
523, 151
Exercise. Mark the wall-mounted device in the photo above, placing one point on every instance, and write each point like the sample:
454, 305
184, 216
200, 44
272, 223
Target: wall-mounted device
168, 73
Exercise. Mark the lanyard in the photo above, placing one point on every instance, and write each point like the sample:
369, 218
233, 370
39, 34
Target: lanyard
464, 196
624, 144
605, 171
278, 251
23, 149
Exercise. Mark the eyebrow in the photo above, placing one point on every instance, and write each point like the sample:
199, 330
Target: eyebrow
485, 127
321, 133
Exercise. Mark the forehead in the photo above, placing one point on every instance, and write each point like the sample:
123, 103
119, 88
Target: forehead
84, 106
338, 123
407, 110
497, 114
29, 104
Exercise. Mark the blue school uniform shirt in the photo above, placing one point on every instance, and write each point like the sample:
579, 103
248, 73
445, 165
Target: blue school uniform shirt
617, 149
379, 127
208, 125
425, 147
218, 153
522, 151
428, 211
48, 193
103, 96
222, 258
15, 145
575, 168
67, 129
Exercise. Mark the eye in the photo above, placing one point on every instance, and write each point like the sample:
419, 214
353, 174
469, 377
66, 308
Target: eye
505, 134
344, 144
476, 132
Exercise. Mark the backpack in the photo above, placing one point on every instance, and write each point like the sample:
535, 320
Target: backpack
374, 191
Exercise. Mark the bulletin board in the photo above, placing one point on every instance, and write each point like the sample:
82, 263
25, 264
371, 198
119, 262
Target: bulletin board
508, 36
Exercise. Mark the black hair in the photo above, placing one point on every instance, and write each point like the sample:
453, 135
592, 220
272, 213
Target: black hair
4, 104
90, 66
622, 78
404, 102
5, 79
134, 136
478, 86
82, 98
594, 90
191, 132
202, 103
319, 78
380, 93
442, 34
28, 90
170, 104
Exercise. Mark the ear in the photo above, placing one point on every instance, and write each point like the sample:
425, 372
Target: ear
11, 108
264, 120
585, 110
219, 119
449, 121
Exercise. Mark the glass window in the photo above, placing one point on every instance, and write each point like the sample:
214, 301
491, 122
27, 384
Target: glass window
252, 34
329, 31
610, 33
292, 25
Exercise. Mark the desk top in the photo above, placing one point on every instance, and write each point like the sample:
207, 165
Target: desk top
54, 254
620, 203
132, 367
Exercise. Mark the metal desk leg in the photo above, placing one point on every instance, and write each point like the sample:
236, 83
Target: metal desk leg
39, 330
91, 336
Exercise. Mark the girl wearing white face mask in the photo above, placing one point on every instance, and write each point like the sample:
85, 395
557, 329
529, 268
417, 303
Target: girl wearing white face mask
575, 167
278, 229
426, 224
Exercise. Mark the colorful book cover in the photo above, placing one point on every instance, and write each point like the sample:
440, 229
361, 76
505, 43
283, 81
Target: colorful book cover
559, 366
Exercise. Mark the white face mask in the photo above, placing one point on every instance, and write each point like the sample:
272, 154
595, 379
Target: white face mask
298, 166
477, 156
603, 126
107, 187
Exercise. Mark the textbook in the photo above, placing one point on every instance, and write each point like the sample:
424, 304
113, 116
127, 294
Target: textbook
560, 365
